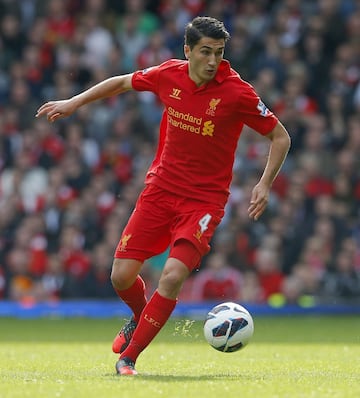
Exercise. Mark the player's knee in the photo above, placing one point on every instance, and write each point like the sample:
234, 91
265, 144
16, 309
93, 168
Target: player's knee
122, 276
172, 279
116, 279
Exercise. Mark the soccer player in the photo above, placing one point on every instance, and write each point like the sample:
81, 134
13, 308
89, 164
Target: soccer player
206, 104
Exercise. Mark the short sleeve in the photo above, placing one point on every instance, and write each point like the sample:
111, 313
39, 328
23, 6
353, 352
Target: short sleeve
146, 79
254, 113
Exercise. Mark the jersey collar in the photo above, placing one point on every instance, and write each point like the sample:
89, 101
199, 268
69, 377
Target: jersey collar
223, 71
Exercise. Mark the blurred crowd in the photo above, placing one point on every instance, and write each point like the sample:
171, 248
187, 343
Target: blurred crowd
67, 189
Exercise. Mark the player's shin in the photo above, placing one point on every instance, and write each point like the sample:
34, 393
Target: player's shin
153, 318
134, 297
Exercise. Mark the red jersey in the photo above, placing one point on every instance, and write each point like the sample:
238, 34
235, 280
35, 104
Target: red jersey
200, 128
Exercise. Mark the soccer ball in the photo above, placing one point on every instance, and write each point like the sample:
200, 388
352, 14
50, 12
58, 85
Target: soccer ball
228, 327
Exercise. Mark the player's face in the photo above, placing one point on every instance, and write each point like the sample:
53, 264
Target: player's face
204, 59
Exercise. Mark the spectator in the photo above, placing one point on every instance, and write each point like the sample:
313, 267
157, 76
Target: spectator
60, 23
269, 272
21, 284
343, 280
12, 40
131, 40
25, 182
98, 279
98, 42
20, 98
154, 53
76, 262
51, 282
218, 281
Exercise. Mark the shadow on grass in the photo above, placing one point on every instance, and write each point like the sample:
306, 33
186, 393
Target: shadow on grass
184, 378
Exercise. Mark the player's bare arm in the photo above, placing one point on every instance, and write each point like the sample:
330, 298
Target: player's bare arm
110, 87
280, 144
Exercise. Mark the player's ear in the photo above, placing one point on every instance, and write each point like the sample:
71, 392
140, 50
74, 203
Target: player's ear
186, 51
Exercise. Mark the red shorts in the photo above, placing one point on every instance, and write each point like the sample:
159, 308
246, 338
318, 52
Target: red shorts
160, 219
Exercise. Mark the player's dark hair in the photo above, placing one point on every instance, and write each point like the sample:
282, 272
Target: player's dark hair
204, 27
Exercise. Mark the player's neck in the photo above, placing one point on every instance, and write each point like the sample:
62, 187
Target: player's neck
197, 81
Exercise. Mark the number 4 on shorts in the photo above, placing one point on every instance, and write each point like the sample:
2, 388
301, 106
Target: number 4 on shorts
204, 222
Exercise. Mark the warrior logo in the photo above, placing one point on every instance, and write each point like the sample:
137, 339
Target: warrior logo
175, 93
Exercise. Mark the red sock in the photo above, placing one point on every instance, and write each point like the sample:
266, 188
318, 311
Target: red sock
134, 297
153, 318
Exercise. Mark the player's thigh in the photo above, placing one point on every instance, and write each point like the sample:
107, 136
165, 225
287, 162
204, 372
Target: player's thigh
147, 232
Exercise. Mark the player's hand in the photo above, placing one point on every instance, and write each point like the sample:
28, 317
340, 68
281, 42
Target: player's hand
56, 109
258, 202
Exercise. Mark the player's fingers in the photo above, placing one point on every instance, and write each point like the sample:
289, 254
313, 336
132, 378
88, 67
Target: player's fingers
258, 214
45, 106
254, 204
255, 210
54, 116
44, 109
253, 213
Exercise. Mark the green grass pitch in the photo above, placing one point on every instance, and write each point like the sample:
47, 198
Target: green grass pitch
315, 356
